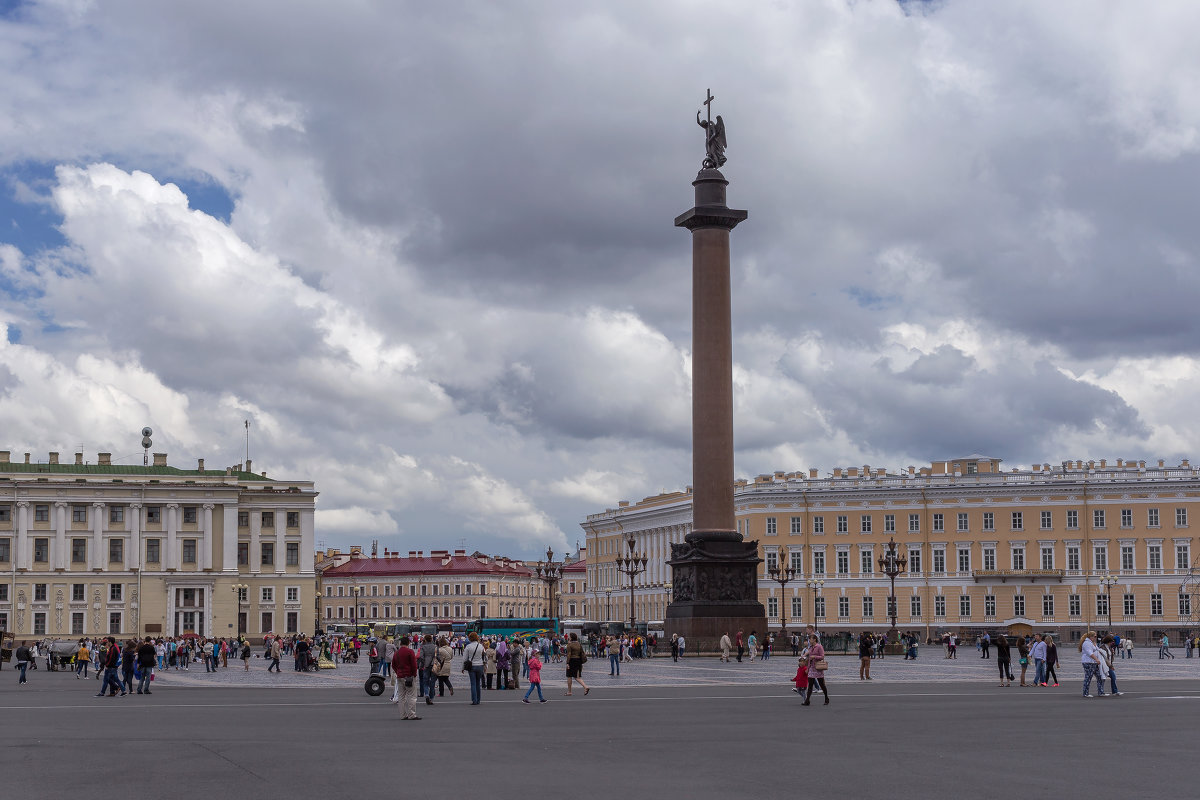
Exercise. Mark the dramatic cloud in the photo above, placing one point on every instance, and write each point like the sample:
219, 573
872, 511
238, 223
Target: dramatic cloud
427, 249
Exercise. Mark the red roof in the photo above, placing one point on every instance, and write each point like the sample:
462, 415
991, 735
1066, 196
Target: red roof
576, 566
401, 566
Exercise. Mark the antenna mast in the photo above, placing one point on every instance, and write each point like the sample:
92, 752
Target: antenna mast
247, 441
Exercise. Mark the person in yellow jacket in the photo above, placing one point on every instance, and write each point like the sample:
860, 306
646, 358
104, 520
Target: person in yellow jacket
83, 657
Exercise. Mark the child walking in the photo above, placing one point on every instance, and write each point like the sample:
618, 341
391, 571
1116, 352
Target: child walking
535, 677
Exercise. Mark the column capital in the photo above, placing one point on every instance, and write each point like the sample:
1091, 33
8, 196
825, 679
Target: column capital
22, 504
135, 505
173, 505
98, 504
209, 506
61, 504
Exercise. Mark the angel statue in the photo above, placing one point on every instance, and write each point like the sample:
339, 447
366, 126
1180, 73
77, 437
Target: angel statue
714, 141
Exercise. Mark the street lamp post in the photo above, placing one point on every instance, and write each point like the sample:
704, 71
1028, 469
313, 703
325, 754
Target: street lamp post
892, 565
549, 572
782, 576
1108, 581
608, 605
238, 589
354, 590
815, 584
632, 564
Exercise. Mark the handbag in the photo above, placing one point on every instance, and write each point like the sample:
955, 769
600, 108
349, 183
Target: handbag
821, 665
1024, 662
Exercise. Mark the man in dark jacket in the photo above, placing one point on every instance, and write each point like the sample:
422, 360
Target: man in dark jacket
404, 665
112, 657
145, 659
24, 656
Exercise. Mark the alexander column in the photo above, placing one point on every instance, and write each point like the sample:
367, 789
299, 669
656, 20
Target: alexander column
714, 572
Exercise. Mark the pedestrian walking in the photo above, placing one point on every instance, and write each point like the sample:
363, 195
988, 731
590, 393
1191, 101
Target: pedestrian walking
1038, 653
1004, 660
985, 642
1089, 657
752, 644
1023, 657
276, 652
726, 646
441, 667
614, 656
404, 666
1051, 660
1164, 647
474, 656
741, 646
817, 666
83, 657
576, 658
535, 677
147, 656
864, 656
24, 657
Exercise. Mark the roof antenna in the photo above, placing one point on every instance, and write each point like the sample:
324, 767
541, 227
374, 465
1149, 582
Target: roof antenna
146, 443
247, 441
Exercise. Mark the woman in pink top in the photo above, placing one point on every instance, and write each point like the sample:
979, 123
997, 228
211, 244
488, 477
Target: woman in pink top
535, 676
815, 676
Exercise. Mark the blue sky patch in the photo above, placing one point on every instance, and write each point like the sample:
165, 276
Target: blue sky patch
29, 224
867, 299
205, 195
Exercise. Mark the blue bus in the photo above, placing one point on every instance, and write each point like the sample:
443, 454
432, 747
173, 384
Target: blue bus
514, 626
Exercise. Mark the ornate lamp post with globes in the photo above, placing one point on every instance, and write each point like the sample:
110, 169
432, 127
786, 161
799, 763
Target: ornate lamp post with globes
892, 564
549, 573
1108, 581
815, 584
632, 564
783, 576
238, 590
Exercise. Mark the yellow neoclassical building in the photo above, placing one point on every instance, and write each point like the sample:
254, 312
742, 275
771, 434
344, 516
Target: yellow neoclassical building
1056, 548
102, 548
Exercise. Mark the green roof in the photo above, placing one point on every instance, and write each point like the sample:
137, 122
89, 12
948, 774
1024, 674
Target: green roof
123, 469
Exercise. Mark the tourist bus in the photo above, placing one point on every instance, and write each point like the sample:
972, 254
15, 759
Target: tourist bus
514, 626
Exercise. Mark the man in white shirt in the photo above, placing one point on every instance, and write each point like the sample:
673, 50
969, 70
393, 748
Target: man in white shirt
1038, 654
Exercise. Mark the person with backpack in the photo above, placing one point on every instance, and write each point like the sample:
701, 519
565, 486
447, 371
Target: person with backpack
535, 678
404, 666
112, 660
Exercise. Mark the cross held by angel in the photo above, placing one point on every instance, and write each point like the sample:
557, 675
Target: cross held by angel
714, 136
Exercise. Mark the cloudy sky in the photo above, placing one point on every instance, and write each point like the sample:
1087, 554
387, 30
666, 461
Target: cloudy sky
426, 248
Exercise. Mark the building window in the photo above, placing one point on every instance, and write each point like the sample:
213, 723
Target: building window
1073, 558
153, 515
5, 550
41, 513
1018, 605
243, 519
989, 521
1156, 607
1126, 517
189, 515
843, 562
989, 605
914, 561
5, 514
152, 551
78, 593
268, 554
889, 523
375, 590
914, 605
1018, 558
1047, 520
268, 519
772, 607
1185, 605
116, 551
989, 558
865, 523
818, 562
1100, 558
1181, 518
1183, 556
1152, 518
1047, 605
116, 514
868, 605
293, 594
1048, 557
243, 553
796, 561
772, 528
39, 624
914, 523
939, 561
1018, 520
1072, 519
963, 522
1098, 518
866, 560
76, 622
39, 593
189, 551
797, 526
797, 608
819, 607
964, 605
78, 551
293, 622
939, 605
268, 622
1074, 607
41, 550
293, 554
293, 519
1154, 557
1127, 557
843, 608
1130, 607
772, 561
964, 559
939, 522
1101, 605
843, 523
79, 514
115, 592
818, 524
114, 622
268, 594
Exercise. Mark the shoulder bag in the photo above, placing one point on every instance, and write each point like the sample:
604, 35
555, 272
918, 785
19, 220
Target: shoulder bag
821, 665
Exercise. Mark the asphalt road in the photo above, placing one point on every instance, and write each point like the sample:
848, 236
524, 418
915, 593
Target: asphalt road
874, 740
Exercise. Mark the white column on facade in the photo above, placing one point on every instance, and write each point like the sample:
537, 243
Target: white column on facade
255, 547
206, 539
99, 558
21, 556
280, 544
133, 523
61, 557
229, 539
174, 557
307, 541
